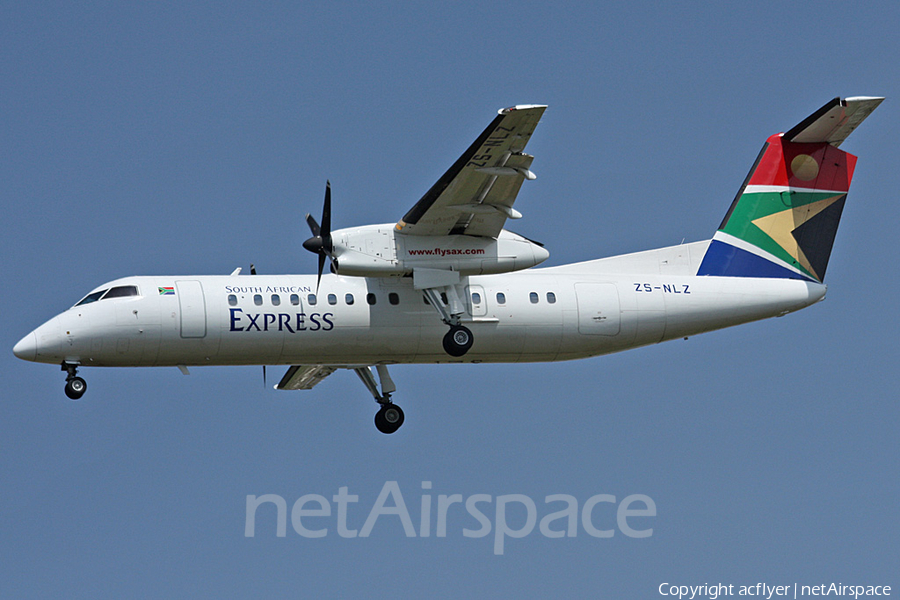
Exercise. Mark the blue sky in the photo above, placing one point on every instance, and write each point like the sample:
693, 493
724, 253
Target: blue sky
166, 138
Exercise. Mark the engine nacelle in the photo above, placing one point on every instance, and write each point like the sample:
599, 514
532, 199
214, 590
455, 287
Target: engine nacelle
379, 251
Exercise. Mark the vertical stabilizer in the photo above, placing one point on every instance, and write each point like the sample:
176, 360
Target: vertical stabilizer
783, 220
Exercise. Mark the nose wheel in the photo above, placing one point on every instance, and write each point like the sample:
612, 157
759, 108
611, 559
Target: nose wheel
75, 386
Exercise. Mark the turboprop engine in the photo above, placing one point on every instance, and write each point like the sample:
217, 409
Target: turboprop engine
384, 251
379, 251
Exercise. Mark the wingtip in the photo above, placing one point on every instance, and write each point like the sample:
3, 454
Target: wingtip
506, 111
866, 103
865, 98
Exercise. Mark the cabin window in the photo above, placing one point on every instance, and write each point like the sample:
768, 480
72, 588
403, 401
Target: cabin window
332, 299
533, 296
257, 299
121, 291
551, 298
476, 298
311, 299
348, 298
501, 298
393, 298
91, 298
295, 299
276, 300
232, 300
370, 298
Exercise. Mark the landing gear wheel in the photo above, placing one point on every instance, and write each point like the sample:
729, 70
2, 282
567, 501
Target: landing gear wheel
75, 388
458, 340
389, 418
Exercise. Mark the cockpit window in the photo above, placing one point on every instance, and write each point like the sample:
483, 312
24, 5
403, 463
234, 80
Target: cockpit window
122, 291
91, 297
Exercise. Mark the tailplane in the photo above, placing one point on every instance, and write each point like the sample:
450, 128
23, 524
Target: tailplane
783, 220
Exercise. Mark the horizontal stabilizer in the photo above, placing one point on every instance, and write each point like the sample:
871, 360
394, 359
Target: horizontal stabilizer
833, 122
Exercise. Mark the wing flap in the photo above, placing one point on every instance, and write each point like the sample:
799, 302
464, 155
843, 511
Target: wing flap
304, 377
500, 194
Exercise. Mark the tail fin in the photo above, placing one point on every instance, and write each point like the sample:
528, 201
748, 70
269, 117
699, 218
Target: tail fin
783, 220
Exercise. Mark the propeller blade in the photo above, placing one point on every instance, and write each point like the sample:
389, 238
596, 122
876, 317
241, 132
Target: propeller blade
320, 243
326, 217
313, 226
321, 266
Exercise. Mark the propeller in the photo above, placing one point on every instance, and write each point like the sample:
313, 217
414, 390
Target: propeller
320, 243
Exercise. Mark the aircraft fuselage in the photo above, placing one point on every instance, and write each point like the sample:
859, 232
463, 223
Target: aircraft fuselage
550, 314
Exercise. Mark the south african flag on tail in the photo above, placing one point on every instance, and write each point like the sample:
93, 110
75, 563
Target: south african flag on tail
785, 216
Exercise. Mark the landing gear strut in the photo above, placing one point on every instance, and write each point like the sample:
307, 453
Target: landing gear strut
389, 417
75, 386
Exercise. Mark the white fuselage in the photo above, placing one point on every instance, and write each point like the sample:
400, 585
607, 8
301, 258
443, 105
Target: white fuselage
558, 313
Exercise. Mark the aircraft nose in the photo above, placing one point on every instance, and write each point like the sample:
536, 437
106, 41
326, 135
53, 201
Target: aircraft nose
26, 349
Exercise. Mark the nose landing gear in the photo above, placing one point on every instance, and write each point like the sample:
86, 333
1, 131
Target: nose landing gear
75, 386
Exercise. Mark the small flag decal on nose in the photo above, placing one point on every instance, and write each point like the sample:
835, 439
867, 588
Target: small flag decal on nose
166, 291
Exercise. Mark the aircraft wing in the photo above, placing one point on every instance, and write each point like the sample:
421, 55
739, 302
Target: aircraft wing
304, 377
476, 194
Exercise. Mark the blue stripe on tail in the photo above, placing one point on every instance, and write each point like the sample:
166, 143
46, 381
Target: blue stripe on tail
725, 260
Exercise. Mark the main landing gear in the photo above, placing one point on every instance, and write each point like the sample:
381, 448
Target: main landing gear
389, 417
75, 386
459, 339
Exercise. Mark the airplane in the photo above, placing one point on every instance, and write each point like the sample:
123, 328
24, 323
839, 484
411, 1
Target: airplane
448, 283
